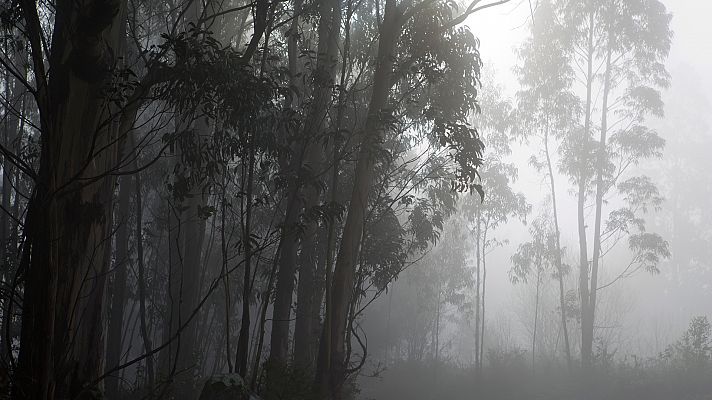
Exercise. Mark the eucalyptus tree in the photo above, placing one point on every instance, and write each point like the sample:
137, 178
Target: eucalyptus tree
67, 218
548, 111
500, 203
87, 106
616, 48
224, 142
536, 259
429, 29
307, 164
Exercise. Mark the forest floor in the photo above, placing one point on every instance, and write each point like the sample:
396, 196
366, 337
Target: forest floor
421, 381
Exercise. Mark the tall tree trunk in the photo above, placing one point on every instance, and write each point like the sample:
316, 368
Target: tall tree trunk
186, 235
266, 296
150, 370
69, 215
243, 340
324, 346
11, 130
287, 250
586, 324
536, 314
331, 372
600, 190
484, 290
118, 298
478, 283
436, 349
559, 262
325, 75
284, 289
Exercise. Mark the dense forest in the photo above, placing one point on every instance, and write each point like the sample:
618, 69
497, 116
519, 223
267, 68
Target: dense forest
340, 199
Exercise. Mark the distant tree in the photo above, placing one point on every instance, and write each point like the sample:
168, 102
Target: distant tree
617, 48
500, 204
535, 260
500, 201
548, 110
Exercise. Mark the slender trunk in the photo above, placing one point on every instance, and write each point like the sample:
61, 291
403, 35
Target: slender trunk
150, 370
484, 288
243, 340
436, 349
600, 190
559, 262
330, 376
478, 283
118, 299
536, 315
586, 324
11, 130
284, 289
388, 326
261, 327
224, 272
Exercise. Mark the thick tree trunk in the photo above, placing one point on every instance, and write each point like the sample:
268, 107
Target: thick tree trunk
69, 216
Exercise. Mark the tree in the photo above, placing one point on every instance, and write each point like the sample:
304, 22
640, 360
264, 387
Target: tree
449, 127
500, 201
537, 257
71, 203
238, 153
621, 46
548, 110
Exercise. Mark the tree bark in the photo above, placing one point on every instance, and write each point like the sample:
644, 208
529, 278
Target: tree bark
70, 210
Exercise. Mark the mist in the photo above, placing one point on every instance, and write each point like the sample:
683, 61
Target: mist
355, 199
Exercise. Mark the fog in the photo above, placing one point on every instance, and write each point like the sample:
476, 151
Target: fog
355, 199
640, 316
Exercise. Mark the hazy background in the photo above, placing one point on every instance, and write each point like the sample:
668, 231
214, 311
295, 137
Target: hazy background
656, 305
646, 313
